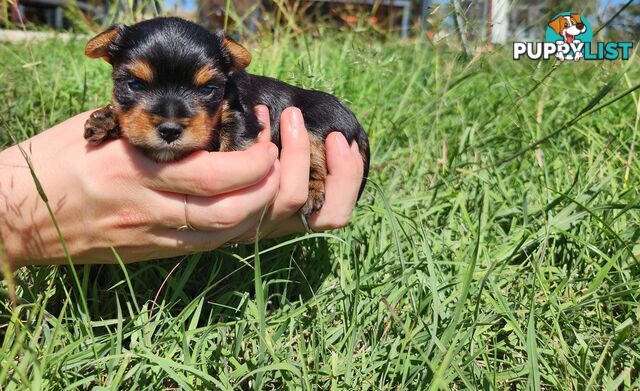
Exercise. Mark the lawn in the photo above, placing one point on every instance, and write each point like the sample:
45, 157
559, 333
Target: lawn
478, 257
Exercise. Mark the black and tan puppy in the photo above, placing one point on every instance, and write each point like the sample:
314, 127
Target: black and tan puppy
178, 88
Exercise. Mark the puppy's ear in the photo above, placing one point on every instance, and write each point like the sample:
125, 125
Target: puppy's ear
98, 46
557, 24
238, 56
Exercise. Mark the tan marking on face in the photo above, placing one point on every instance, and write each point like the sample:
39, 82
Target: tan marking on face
141, 69
198, 130
139, 127
204, 75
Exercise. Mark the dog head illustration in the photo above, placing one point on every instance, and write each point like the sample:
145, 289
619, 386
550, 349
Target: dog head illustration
568, 26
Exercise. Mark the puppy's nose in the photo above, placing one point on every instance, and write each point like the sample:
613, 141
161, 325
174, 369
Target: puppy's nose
170, 131
580, 26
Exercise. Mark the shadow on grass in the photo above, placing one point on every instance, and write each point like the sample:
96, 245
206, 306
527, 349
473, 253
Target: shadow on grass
292, 273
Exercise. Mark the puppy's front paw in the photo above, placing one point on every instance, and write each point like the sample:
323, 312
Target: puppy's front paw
102, 125
315, 199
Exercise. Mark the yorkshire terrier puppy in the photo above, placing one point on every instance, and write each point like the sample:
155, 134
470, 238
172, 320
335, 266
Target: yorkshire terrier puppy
178, 88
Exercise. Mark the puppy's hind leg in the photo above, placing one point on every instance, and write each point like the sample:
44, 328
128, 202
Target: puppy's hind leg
317, 176
102, 125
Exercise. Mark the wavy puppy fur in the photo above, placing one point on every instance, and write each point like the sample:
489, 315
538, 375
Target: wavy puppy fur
179, 88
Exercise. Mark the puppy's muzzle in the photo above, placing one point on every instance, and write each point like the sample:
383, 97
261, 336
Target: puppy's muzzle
170, 112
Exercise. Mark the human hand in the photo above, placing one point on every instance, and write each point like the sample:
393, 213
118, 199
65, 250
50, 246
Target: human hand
112, 195
345, 171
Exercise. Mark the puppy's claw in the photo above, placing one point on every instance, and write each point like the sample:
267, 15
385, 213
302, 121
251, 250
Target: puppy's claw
94, 136
94, 133
315, 201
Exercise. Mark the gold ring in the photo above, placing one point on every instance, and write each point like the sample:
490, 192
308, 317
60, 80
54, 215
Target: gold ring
187, 226
303, 218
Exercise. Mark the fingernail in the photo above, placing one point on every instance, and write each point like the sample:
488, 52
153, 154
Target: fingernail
262, 111
295, 119
341, 145
354, 147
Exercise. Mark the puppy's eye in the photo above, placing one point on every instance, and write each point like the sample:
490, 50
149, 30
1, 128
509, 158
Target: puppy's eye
208, 89
135, 85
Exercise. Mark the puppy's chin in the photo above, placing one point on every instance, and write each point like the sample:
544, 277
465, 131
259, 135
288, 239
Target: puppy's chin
166, 154
158, 150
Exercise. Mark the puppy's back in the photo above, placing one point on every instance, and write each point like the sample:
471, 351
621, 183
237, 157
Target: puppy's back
323, 113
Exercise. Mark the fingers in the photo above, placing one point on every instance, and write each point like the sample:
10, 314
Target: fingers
345, 172
262, 112
223, 212
209, 173
227, 210
294, 178
295, 161
174, 242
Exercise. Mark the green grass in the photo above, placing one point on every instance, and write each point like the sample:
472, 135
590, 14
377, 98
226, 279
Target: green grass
473, 260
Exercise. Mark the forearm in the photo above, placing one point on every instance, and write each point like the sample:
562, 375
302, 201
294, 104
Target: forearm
3, 212
27, 231
16, 198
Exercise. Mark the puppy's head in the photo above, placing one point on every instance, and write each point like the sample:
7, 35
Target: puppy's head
568, 26
169, 78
